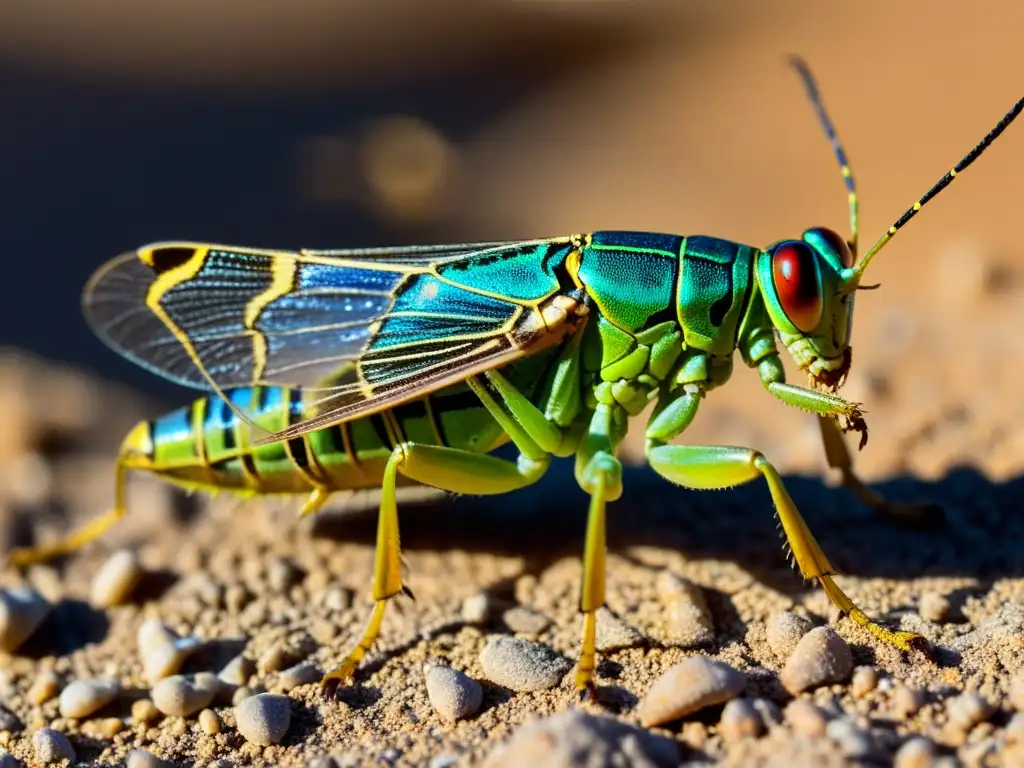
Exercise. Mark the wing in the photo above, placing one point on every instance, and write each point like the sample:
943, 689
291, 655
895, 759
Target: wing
364, 329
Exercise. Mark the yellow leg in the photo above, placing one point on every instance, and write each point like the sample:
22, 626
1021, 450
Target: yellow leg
599, 473
449, 469
77, 539
721, 467
838, 455
316, 501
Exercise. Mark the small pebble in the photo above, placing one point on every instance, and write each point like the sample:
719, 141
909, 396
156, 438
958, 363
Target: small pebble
784, 630
934, 607
916, 752
140, 758
52, 746
852, 741
740, 720
525, 620
336, 598
116, 579
1016, 696
322, 761
688, 687
821, 657
22, 610
522, 665
687, 619
301, 674
275, 658
478, 608
906, 701
242, 693
264, 719
45, 687
162, 651
237, 671
614, 634
209, 722
967, 710
282, 575
444, 761
576, 738
769, 711
453, 694
182, 696
83, 697
806, 719
864, 681
109, 727
144, 711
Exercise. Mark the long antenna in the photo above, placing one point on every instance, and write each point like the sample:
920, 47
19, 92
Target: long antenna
826, 123
940, 185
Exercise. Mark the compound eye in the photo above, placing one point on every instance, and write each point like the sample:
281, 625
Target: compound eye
798, 284
837, 243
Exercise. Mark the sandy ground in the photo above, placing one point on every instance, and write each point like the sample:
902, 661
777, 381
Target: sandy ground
707, 135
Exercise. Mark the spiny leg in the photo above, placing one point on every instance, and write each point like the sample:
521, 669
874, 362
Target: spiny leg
838, 455
708, 467
77, 539
450, 469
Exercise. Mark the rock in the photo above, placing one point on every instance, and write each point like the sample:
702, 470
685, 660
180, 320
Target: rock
453, 694
209, 722
83, 697
264, 719
140, 758
688, 687
967, 710
182, 696
916, 752
614, 634
305, 673
116, 579
22, 610
238, 671
806, 719
688, 621
522, 665
144, 711
784, 630
906, 701
740, 720
478, 608
864, 681
52, 746
575, 738
821, 657
282, 575
934, 607
45, 687
162, 651
524, 620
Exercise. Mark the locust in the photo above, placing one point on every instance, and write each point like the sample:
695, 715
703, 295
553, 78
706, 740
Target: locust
335, 370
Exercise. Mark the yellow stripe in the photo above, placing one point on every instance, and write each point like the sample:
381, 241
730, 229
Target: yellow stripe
282, 282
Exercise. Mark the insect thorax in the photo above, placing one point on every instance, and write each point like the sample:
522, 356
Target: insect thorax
671, 312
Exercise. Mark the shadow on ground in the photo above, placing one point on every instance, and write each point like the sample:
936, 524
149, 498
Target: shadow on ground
981, 535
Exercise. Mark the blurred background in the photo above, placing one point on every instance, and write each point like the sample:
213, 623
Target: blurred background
322, 123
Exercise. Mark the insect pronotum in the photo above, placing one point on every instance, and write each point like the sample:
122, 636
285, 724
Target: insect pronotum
375, 367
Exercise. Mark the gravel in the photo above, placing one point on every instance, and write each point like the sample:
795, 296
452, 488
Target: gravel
52, 746
453, 694
183, 696
687, 687
522, 665
819, 658
115, 581
264, 718
83, 697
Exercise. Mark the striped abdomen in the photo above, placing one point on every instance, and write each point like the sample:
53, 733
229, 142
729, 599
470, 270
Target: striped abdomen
206, 445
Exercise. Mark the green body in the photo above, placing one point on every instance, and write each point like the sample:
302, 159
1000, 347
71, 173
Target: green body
665, 312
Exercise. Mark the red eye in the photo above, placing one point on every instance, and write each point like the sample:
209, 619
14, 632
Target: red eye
797, 284
837, 243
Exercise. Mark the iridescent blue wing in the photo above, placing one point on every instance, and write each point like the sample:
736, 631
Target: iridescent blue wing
365, 329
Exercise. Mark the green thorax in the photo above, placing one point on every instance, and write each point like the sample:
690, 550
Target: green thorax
670, 310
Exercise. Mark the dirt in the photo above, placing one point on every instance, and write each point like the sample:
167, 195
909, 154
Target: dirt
705, 133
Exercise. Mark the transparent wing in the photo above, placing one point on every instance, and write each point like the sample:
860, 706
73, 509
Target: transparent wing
364, 329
